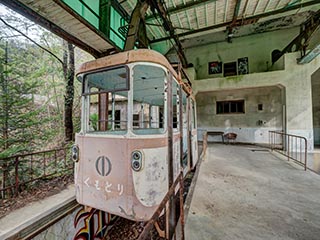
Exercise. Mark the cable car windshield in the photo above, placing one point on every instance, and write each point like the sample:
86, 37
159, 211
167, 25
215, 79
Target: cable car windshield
106, 94
148, 99
112, 80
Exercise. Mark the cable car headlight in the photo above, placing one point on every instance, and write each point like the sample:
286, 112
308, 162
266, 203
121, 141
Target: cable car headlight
136, 160
75, 153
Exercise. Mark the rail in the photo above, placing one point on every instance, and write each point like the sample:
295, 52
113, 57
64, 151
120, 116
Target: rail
292, 146
19, 171
163, 208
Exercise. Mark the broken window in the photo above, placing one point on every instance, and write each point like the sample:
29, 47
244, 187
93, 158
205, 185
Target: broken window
235, 106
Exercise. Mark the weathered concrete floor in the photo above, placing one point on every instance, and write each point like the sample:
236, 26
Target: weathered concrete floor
245, 194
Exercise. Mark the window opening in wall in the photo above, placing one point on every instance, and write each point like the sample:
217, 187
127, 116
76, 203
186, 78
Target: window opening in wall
117, 118
184, 113
230, 69
175, 104
135, 120
225, 107
260, 107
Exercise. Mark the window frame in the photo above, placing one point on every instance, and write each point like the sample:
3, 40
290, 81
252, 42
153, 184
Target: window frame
229, 102
85, 84
162, 108
85, 115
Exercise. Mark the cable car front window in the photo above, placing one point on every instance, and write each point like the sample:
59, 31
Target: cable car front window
107, 100
148, 99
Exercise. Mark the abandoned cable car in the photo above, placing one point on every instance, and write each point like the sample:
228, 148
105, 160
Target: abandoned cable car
135, 113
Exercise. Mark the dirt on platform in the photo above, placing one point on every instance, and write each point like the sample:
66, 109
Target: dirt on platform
40, 190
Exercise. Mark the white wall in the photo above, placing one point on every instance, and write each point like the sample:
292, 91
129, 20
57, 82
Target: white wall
257, 48
315, 80
296, 81
251, 126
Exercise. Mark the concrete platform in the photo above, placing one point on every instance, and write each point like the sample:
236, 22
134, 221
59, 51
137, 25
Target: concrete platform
245, 192
24, 221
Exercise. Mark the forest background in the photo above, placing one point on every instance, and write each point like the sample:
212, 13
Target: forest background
39, 99
39, 110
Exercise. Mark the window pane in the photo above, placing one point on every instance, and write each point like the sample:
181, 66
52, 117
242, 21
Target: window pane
148, 99
224, 107
175, 104
108, 111
107, 96
112, 80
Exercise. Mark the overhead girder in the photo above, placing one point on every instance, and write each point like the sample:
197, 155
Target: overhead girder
234, 19
242, 21
301, 42
136, 33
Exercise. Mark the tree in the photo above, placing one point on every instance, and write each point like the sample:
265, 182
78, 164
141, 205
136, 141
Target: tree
68, 67
68, 70
20, 117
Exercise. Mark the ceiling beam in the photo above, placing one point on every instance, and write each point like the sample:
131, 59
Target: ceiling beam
236, 11
181, 7
234, 20
167, 24
242, 21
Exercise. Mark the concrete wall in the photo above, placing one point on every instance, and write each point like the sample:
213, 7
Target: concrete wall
251, 126
315, 80
63, 229
257, 48
296, 83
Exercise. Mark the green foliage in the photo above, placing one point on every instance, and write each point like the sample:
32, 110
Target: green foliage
32, 88
20, 116
94, 121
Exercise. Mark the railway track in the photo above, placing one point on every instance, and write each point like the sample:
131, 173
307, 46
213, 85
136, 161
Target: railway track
117, 229
130, 230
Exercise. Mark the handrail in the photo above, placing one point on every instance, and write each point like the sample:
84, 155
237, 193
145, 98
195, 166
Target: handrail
292, 146
33, 153
22, 169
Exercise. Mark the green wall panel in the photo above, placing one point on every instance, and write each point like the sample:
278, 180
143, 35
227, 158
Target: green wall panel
86, 10
115, 23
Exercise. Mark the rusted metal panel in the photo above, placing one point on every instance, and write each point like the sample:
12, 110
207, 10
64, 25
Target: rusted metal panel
141, 55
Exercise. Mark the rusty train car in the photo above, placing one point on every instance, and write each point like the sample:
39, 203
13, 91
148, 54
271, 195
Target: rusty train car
136, 114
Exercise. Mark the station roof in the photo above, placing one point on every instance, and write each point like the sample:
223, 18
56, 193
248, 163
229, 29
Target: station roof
195, 21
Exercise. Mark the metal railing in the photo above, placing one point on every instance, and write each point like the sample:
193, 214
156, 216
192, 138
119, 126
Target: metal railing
292, 146
153, 222
20, 171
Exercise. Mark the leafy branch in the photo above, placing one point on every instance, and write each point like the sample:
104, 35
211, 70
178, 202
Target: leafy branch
30, 39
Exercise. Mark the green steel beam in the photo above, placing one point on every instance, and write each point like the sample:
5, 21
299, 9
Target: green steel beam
35, 17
